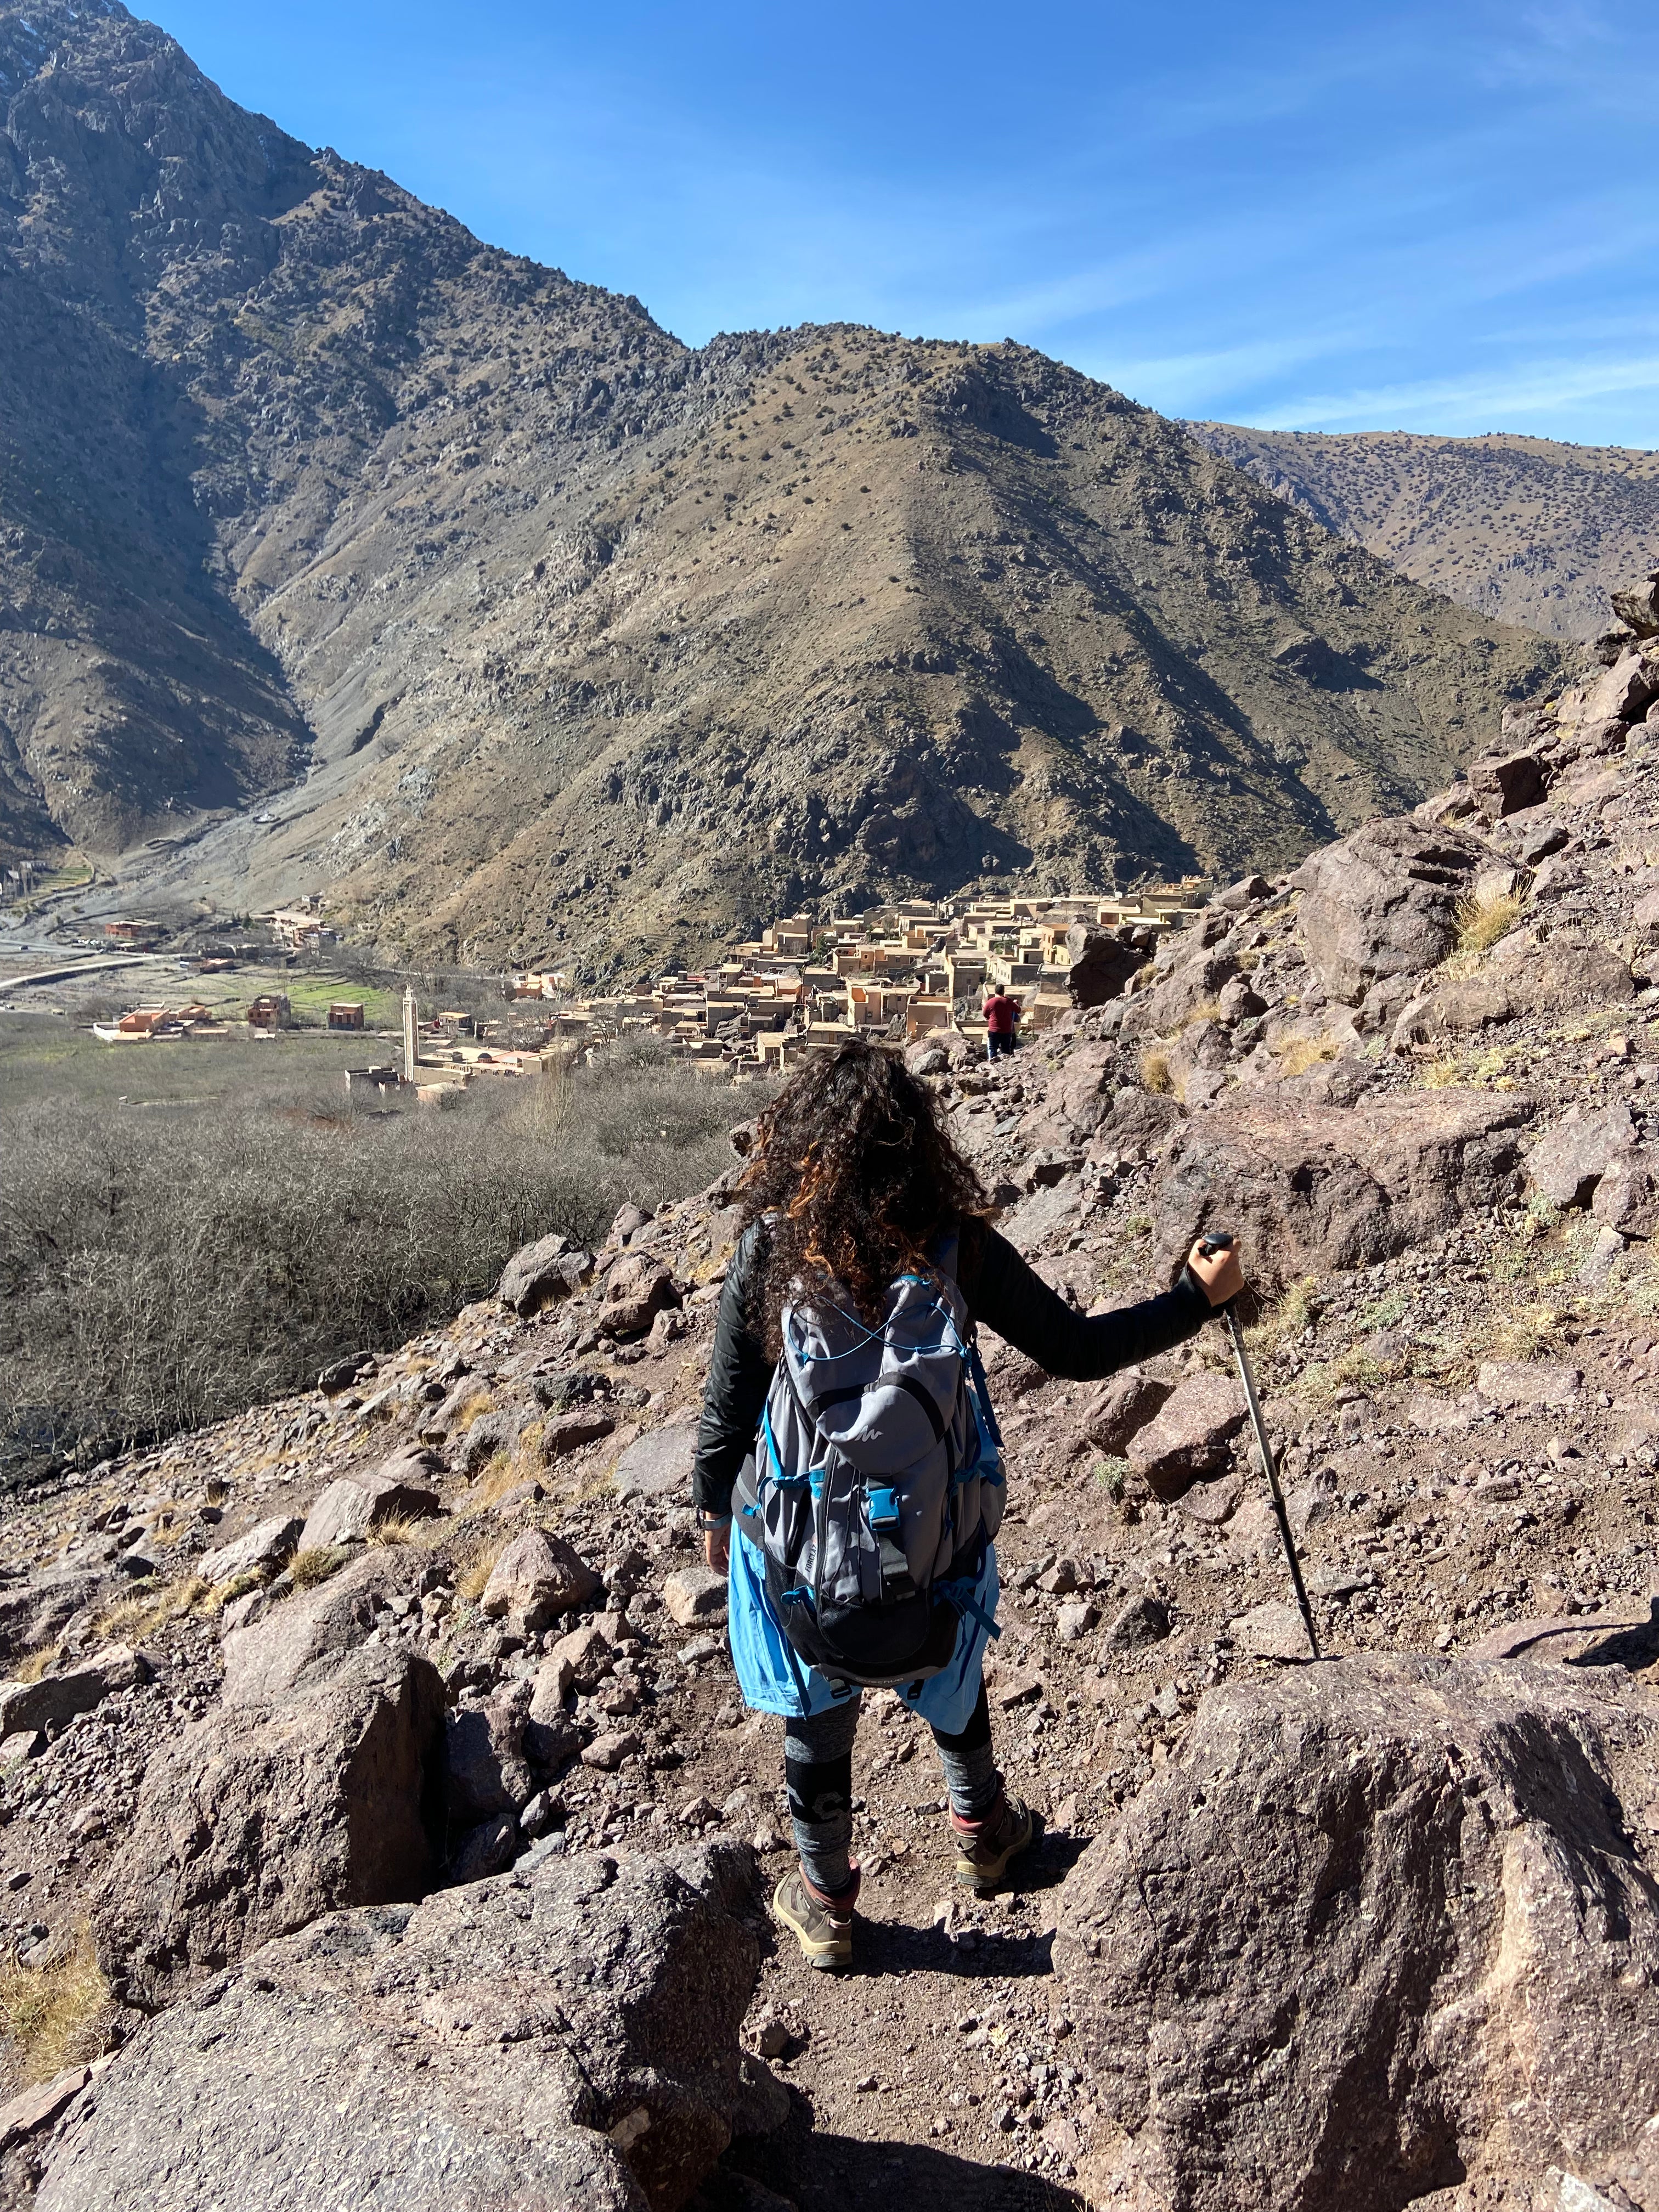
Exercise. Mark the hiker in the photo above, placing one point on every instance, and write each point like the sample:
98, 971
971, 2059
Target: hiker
847, 1422
1001, 1019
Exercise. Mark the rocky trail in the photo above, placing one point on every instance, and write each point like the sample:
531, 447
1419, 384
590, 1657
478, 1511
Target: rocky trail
383, 1748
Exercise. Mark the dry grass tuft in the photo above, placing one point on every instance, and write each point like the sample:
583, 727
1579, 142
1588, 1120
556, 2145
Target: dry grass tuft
420, 1529
57, 2015
227, 1593
1297, 1312
129, 1620
1155, 1073
504, 1471
32, 1668
1209, 1011
1357, 1368
479, 1565
307, 1569
1297, 1054
1520, 1334
1482, 921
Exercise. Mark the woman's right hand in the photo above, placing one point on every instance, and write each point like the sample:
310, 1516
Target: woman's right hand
1219, 1272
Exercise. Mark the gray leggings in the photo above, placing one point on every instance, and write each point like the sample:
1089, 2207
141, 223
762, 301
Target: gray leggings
817, 1766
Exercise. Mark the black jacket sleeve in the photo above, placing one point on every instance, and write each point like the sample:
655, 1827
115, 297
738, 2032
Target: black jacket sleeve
740, 1374
1006, 1295
1001, 1290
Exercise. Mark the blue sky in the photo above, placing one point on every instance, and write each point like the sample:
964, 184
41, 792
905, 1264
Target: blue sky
1426, 217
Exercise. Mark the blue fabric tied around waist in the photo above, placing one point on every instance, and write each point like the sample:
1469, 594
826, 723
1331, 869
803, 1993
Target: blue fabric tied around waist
775, 1678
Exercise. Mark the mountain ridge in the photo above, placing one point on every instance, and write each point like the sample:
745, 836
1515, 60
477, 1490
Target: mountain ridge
1524, 530
542, 636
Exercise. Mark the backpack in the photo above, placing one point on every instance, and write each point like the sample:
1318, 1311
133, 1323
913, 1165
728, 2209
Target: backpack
878, 1480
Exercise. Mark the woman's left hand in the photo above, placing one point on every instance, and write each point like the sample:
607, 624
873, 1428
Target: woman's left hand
717, 1546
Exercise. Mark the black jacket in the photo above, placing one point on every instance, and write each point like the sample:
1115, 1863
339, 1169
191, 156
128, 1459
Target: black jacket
1000, 1290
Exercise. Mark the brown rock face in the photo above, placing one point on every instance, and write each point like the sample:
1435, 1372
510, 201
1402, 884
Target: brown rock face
263, 1816
1565, 1165
638, 1291
1191, 1435
1383, 902
1314, 1187
1379, 1927
587, 2017
535, 1578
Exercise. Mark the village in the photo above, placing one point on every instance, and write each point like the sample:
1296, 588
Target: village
803, 985
899, 972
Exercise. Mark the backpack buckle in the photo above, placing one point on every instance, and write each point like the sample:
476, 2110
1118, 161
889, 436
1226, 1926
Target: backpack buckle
896, 1581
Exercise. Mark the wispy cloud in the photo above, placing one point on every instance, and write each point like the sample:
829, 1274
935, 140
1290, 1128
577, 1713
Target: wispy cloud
1504, 399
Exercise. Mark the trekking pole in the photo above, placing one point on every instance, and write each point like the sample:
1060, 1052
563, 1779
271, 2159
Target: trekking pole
1219, 1241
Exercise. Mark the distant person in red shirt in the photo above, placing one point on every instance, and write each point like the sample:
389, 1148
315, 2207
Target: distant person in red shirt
1001, 1014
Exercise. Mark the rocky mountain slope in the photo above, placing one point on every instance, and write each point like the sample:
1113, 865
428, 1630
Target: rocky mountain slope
594, 647
1523, 530
389, 1734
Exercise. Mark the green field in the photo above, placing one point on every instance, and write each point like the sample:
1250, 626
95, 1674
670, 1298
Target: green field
43, 1057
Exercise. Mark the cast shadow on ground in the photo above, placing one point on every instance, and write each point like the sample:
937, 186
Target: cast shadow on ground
840, 2173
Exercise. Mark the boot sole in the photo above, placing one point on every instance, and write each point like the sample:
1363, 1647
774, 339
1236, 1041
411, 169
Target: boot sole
828, 1957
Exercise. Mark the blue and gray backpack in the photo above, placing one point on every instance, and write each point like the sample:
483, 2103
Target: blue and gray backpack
876, 1481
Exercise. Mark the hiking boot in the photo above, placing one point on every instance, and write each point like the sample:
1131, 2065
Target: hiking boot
985, 1846
821, 1924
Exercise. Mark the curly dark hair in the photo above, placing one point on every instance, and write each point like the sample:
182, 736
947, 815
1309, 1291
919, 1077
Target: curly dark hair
853, 1166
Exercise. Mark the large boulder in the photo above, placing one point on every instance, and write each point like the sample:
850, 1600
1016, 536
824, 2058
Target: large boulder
487, 1772
1508, 783
266, 1545
1313, 1187
1523, 976
36, 1609
302, 1642
659, 1464
1101, 964
539, 1273
1379, 1927
1191, 1435
1383, 902
575, 2043
1627, 1197
1120, 1407
350, 1509
637, 1289
1625, 692
261, 1817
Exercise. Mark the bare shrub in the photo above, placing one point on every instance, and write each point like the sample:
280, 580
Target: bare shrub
162, 1268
